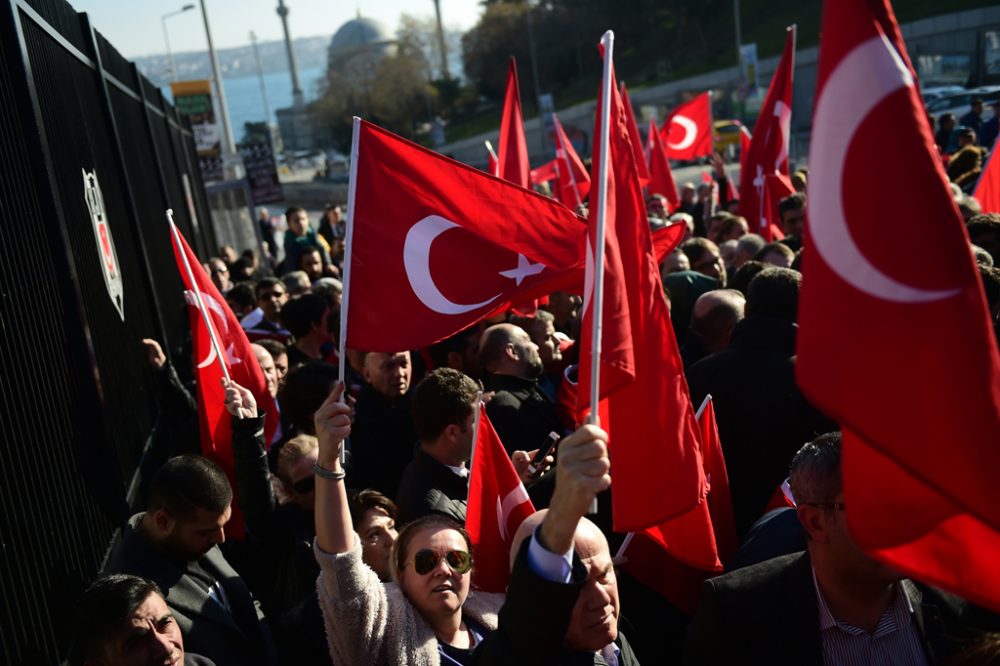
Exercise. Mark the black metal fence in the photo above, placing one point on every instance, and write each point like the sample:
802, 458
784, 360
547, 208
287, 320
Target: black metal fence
76, 407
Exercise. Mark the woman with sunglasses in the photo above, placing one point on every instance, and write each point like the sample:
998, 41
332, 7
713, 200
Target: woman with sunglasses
428, 615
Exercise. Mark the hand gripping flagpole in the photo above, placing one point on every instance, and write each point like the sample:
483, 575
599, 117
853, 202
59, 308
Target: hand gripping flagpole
345, 304
197, 294
608, 40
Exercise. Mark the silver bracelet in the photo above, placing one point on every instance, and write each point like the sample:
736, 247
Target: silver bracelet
327, 473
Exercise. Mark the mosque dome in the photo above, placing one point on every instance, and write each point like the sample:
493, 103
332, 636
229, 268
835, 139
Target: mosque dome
359, 36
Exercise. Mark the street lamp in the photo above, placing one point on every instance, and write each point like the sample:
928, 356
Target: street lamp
166, 38
228, 144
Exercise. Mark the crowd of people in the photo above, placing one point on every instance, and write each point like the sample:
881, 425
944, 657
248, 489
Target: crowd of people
363, 558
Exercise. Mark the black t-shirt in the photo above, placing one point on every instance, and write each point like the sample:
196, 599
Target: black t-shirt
453, 656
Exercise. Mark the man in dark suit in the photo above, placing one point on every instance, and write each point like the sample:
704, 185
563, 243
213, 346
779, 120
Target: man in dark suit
520, 411
175, 543
830, 604
436, 480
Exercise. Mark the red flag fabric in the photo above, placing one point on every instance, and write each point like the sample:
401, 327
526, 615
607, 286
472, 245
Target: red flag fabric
498, 504
768, 149
687, 132
635, 138
988, 187
745, 139
661, 179
440, 245
655, 454
214, 421
720, 500
776, 188
902, 357
512, 151
544, 173
574, 181
666, 239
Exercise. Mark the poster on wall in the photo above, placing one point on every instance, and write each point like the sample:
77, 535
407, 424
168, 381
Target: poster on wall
94, 199
262, 173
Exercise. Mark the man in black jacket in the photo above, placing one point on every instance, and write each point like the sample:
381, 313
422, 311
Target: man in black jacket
520, 411
763, 419
436, 481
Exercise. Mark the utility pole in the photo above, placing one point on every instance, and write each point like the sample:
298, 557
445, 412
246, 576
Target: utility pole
228, 144
260, 75
298, 99
441, 43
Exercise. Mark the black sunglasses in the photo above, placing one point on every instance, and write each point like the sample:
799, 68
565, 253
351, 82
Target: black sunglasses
426, 560
305, 486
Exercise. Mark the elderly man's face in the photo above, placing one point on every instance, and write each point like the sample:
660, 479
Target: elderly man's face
148, 637
388, 374
594, 623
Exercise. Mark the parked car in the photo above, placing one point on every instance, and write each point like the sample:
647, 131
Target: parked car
936, 92
961, 103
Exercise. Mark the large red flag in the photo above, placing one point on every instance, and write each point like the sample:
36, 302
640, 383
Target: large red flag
635, 138
902, 356
214, 420
435, 245
544, 173
720, 500
655, 454
768, 150
988, 188
574, 181
687, 132
498, 504
512, 151
661, 179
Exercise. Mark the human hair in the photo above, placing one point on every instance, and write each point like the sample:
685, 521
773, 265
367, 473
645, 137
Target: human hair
299, 314
727, 223
273, 347
410, 530
814, 474
982, 257
242, 294
296, 282
187, 483
268, 283
991, 284
969, 206
442, 398
361, 502
723, 314
104, 607
305, 389
328, 287
740, 280
294, 450
750, 244
457, 343
696, 248
292, 210
780, 248
774, 293
493, 343
984, 650
795, 201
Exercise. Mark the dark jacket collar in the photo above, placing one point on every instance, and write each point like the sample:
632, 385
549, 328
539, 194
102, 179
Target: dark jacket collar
758, 332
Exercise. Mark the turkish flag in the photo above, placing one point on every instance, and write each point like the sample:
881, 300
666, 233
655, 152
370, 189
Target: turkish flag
666, 239
656, 463
902, 357
635, 138
214, 420
745, 139
768, 149
574, 181
720, 500
498, 504
776, 188
435, 245
687, 132
661, 179
512, 158
544, 173
988, 187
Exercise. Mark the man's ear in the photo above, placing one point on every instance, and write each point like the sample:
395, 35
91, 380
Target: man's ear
510, 351
163, 522
814, 522
452, 431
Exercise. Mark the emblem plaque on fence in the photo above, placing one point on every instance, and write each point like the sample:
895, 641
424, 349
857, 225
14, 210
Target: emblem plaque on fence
105, 243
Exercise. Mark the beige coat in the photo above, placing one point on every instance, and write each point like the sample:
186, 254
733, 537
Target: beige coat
371, 623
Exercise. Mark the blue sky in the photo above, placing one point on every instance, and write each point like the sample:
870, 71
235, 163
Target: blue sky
135, 29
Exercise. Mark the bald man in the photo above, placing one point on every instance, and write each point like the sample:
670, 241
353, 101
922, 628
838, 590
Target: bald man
715, 315
521, 412
562, 602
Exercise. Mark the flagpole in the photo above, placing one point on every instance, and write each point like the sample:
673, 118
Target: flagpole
621, 549
197, 294
345, 303
608, 40
475, 435
565, 156
493, 154
704, 404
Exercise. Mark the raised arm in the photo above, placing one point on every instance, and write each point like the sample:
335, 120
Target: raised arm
334, 530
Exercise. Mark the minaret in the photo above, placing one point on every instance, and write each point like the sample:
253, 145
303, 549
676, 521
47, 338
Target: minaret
441, 43
298, 99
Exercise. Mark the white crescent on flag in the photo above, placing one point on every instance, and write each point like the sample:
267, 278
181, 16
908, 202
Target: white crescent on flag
690, 132
862, 80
